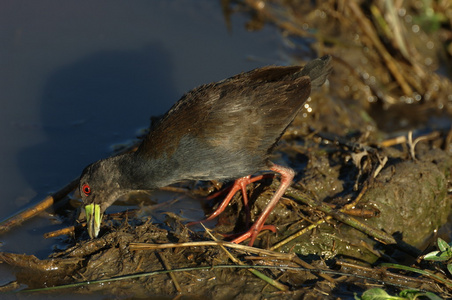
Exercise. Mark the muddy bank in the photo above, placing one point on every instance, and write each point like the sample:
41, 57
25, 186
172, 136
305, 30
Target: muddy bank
373, 156
407, 200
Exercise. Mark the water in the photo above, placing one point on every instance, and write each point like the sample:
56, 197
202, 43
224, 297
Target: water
77, 77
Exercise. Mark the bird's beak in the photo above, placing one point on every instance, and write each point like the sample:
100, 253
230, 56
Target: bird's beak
93, 219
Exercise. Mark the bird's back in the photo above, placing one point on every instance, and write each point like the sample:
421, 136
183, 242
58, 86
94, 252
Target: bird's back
226, 130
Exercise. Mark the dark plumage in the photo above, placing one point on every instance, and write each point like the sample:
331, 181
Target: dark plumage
218, 131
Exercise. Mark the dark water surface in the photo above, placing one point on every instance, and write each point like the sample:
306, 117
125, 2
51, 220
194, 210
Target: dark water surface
79, 76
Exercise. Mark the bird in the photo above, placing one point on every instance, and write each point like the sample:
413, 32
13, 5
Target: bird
220, 131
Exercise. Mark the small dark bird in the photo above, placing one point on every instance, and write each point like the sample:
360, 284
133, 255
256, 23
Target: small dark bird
219, 131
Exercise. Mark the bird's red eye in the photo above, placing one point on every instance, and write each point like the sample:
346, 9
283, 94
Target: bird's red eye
86, 189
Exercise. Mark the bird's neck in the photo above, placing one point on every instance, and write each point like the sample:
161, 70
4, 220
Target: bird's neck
137, 173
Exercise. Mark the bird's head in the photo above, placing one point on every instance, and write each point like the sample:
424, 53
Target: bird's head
99, 188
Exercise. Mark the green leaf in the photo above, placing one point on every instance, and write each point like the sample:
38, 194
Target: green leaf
432, 296
446, 255
435, 256
377, 294
415, 294
410, 294
449, 268
442, 245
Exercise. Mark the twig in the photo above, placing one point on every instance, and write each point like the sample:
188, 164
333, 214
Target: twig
344, 142
29, 213
304, 264
346, 209
188, 269
258, 251
71, 229
393, 141
296, 259
299, 233
412, 144
171, 274
255, 272
369, 30
381, 163
377, 234
62, 231
427, 273
48, 201
351, 205
381, 273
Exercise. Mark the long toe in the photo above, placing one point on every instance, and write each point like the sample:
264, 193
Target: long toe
252, 233
239, 185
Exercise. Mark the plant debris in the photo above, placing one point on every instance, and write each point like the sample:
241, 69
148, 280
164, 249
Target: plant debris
373, 180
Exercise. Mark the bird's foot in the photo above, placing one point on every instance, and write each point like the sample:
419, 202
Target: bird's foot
240, 237
287, 175
239, 185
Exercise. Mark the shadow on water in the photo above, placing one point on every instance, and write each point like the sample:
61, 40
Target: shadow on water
91, 103
87, 105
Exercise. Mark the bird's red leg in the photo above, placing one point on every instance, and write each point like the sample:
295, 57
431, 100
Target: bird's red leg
239, 184
287, 175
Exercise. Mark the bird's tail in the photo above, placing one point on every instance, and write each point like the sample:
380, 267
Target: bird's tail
318, 70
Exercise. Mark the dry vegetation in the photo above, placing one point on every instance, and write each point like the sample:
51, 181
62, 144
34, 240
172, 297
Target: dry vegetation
373, 154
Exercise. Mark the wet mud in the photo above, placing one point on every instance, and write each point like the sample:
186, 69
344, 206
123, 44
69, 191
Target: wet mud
374, 147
